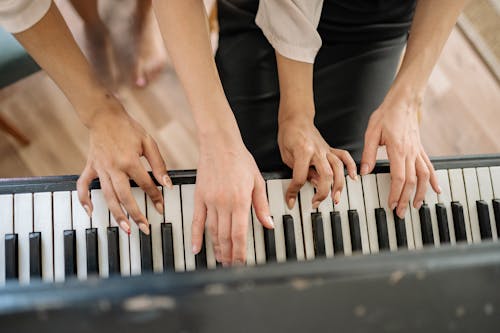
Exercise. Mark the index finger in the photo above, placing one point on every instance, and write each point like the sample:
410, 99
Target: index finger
300, 172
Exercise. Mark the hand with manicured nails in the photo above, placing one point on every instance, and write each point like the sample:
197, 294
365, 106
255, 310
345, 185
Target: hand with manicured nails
304, 150
117, 143
395, 125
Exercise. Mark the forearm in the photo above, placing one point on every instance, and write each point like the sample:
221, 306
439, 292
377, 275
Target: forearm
430, 29
296, 89
184, 28
53, 47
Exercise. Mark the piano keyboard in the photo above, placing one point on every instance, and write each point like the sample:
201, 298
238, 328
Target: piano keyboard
45, 234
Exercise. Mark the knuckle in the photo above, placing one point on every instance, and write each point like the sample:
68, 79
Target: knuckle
411, 181
239, 236
398, 178
307, 148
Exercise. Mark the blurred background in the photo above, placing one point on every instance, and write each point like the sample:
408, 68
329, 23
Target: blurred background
461, 113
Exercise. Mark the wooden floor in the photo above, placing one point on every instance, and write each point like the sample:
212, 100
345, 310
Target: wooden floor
461, 111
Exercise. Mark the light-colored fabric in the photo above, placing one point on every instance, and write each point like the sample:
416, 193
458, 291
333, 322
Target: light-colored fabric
20, 15
291, 27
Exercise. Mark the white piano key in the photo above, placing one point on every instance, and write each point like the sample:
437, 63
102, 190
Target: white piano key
124, 247
276, 205
155, 219
258, 234
431, 200
445, 199
62, 221
342, 207
187, 195
81, 222
356, 201
23, 225
370, 191
209, 250
495, 181
384, 188
486, 193
173, 215
100, 221
250, 243
42, 213
135, 242
305, 197
325, 208
6, 227
458, 194
472, 192
297, 224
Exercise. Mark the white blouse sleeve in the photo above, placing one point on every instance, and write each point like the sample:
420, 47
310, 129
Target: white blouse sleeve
291, 27
19, 15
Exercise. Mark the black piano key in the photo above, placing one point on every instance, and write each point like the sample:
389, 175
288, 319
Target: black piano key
69, 253
11, 257
496, 211
201, 257
400, 226
426, 225
318, 234
291, 250
355, 230
457, 211
382, 232
270, 245
113, 251
442, 221
146, 252
35, 255
483, 215
92, 251
167, 247
338, 242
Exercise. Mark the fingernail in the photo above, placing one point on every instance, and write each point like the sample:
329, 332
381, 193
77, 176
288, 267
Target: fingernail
316, 204
439, 189
144, 228
140, 82
364, 169
401, 213
336, 197
355, 177
87, 209
195, 249
270, 221
124, 226
419, 204
167, 182
291, 203
394, 205
159, 207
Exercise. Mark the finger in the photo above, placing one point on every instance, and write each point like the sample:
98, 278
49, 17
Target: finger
398, 172
432, 174
153, 155
239, 235
299, 177
325, 180
338, 177
211, 224
260, 204
198, 226
408, 188
122, 189
82, 187
369, 157
423, 175
348, 162
313, 177
142, 178
224, 229
113, 204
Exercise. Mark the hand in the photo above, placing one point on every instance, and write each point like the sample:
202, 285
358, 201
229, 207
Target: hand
227, 183
117, 143
302, 147
395, 125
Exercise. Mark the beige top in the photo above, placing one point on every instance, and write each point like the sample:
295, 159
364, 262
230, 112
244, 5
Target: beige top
19, 15
291, 27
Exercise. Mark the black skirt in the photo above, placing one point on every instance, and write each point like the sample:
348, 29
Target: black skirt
362, 45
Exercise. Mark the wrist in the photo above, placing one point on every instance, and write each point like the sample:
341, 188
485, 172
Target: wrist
99, 107
296, 112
